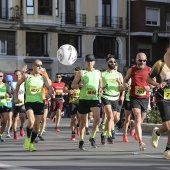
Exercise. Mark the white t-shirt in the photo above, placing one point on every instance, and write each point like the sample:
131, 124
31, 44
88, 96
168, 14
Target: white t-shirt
21, 92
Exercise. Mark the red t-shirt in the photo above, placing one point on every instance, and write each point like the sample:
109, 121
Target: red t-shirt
138, 77
58, 88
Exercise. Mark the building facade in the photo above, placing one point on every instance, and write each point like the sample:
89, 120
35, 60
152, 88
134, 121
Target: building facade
31, 29
149, 28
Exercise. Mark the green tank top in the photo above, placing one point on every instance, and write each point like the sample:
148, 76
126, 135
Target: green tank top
112, 93
34, 89
127, 94
3, 92
89, 90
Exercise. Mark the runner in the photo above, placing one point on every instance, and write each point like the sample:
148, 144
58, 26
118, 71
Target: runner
139, 93
34, 105
90, 83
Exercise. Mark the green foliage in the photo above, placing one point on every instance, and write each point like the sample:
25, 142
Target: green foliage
153, 116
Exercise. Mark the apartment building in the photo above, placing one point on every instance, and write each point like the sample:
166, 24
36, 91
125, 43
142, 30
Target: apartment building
149, 28
31, 29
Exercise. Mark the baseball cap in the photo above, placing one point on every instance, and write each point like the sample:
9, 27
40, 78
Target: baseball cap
89, 57
9, 78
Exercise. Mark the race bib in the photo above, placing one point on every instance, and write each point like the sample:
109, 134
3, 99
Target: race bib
35, 89
58, 91
166, 93
140, 91
8, 99
75, 94
2, 97
21, 101
90, 92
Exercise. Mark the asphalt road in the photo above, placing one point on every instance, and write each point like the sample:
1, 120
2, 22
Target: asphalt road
57, 152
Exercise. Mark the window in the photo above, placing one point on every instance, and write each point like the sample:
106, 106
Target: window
74, 40
168, 21
36, 44
103, 46
56, 8
30, 7
106, 13
3, 9
152, 16
70, 12
44, 7
7, 42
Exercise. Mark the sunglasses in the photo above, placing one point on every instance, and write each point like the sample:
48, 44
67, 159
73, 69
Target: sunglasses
1, 76
142, 60
58, 76
112, 62
38, 65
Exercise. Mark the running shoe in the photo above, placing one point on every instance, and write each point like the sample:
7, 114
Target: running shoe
125, 139
155, 138
110, 140
142, 146
22, 133
167, 154
8, 135
135, 136
132, 132
103, 140
31, 147
93, 142
57, 129
81, 145
16, 135
73, 137
27, 143
40, 137
113, 134
78, 131
1, 139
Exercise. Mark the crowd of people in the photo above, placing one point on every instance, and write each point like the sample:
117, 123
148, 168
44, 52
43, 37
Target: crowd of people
91, 93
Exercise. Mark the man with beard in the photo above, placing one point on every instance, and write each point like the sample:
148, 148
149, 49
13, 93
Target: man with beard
139, 93
112, 81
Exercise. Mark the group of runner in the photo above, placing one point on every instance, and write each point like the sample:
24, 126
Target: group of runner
90, 91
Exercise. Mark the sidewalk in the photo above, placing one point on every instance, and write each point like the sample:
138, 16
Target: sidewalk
148, 127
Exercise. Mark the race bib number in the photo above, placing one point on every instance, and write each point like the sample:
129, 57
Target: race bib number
166, 93
140, 91
90, 92
35, 89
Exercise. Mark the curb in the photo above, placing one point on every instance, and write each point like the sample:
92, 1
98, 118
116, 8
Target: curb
148, 127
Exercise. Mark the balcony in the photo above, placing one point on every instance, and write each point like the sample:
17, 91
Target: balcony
104, 21
73, 18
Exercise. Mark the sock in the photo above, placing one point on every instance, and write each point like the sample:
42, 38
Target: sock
167, 147
109, 133
34, 135
81, 138
93, 133
77, 125
73, 133
104, 133
87, 129
29, 131
7, 131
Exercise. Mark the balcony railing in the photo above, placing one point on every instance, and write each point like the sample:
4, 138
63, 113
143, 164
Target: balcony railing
10, 13
73, 18
104, 21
